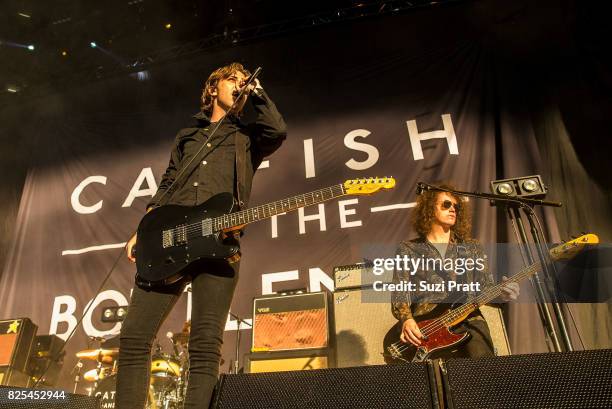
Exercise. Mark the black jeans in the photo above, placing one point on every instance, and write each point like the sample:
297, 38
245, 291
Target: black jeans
479, 344
212, 290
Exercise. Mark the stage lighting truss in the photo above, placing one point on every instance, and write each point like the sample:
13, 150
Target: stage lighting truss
360, 10
524, 186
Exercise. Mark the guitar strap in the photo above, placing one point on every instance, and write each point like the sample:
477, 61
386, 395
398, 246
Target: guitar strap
188, 169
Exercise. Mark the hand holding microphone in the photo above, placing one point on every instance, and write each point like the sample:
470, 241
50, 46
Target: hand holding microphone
250, 85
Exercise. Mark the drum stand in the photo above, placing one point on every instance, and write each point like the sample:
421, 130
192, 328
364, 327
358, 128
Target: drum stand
77, 378
236, 366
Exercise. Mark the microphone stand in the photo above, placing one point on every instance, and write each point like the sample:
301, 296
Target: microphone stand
236, 365
513, 205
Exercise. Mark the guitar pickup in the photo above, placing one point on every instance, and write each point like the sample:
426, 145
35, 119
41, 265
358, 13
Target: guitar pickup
167, 239
173, 237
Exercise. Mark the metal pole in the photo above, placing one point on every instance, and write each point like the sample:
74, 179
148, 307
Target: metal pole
545, 316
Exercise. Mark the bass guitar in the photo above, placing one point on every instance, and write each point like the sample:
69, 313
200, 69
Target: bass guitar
437, 332
172, 237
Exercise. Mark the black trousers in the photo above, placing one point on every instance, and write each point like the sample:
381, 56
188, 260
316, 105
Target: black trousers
212, 287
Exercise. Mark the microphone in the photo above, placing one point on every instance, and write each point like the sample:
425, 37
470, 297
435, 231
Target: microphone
253, 76
248, 81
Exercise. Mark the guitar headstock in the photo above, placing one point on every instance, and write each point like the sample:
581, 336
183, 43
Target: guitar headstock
367, 186
571, 248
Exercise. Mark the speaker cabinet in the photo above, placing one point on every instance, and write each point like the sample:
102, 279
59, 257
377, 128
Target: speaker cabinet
581, 379
495, 321
16, 341
367, 387
360, 327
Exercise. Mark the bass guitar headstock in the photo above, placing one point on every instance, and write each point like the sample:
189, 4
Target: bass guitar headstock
569, 249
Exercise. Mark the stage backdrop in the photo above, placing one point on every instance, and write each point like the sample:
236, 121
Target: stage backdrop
404, 96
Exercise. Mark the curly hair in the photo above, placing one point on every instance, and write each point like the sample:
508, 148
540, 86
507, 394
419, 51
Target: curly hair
424, 214
206, 100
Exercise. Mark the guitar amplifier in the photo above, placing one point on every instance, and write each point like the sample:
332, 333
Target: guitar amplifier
13, 377
290, 322
46, 358
287, 361
360, 328
358, 275
16, 340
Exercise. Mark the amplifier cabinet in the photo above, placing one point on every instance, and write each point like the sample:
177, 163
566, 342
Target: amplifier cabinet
290, 322
16, 341
361, 323
287, 361
46, 359
359, 275
13, 377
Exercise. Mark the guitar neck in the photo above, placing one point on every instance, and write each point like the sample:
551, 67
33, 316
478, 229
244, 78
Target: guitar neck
268, 210
458, 314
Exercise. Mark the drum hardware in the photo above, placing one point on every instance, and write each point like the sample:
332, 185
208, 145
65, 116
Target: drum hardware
236, 364
169, 372
77, 377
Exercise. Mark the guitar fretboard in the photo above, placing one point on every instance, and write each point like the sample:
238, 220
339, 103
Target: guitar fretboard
268, 210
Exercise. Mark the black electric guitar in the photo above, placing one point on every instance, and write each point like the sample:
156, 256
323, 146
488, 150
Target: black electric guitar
172, 237
437, 331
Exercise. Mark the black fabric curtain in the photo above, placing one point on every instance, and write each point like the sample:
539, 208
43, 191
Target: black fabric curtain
508, 80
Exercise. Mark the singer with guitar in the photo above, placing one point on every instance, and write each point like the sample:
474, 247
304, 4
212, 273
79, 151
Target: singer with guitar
443, 223
227, 154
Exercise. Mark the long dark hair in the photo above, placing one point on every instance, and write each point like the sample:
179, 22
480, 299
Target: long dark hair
424, 214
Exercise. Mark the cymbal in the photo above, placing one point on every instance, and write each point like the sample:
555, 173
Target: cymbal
101, 354
92, 374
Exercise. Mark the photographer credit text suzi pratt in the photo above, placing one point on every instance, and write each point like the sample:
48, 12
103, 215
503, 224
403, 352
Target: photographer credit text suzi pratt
411, 265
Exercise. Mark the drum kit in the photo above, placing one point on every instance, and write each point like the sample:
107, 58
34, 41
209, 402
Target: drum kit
168, 372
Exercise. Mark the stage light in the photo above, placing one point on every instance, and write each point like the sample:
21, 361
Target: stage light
114, 314
505, 189
31, 47
24, 15
141, 75
64, 53
168, 26
93, 44
12, 89
523, 186
530, 185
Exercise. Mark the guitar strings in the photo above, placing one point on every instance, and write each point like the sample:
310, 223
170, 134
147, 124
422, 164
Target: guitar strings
479, 300
194, 229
